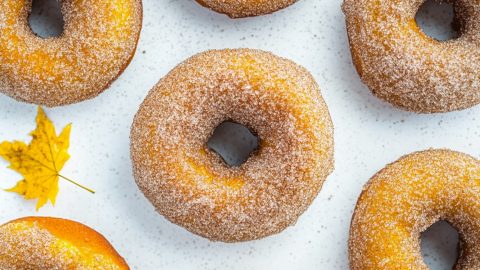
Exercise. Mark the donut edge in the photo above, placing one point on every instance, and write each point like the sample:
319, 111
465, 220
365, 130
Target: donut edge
98, 239
47, 102
242, 15
365, 187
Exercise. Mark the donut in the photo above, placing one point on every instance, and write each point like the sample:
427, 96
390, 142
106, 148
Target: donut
405, 67
245, 8
53, 243
97, 44
191, 185
407, 197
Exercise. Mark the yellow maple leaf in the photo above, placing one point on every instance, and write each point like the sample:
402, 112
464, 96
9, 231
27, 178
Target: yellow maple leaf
39, 162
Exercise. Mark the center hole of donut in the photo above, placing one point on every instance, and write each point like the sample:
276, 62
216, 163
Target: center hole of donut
439, 246
46, 19
437, 19
233, 142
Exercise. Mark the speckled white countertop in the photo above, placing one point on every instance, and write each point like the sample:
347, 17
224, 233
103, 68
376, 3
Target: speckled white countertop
368, 134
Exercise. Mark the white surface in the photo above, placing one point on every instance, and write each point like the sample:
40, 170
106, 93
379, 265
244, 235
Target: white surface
368, 134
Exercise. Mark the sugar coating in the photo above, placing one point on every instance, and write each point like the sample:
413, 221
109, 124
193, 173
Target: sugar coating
191, 185
407, 197
407, 68
28, 244
246, 8
98, 42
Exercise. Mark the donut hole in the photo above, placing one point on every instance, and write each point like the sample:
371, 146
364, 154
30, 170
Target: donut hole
46, 18
439, 246
437, 20
233, 142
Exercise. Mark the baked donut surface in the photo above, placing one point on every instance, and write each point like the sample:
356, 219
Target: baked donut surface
405, 67
97, 44
407, 197
191, 185
245, 8
39, 243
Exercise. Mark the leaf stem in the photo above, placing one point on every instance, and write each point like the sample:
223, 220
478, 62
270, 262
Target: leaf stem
77, 184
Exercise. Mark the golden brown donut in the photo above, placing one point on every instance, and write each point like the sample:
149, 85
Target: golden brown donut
407, 197
245, 8
97, 44
191, 185
39, 243
404, 66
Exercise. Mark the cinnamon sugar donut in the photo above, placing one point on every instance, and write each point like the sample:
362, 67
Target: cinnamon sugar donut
191, 185
406, 198
39, 243
404, 66
97, 44
245, 8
